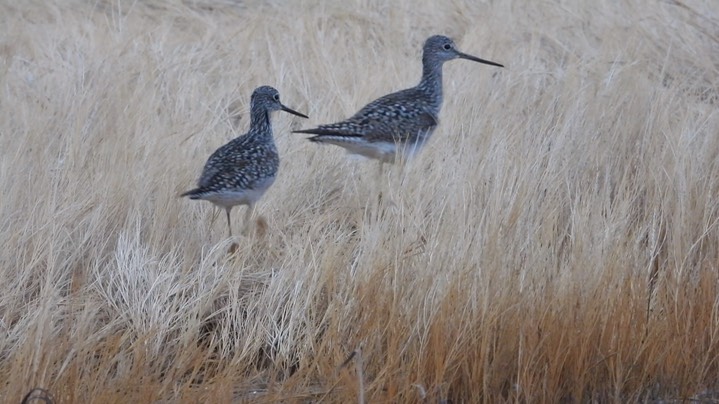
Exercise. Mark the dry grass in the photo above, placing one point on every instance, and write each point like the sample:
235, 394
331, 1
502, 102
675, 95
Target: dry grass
557, 241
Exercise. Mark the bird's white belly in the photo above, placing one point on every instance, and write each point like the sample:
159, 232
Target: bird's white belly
228, 198
384, 151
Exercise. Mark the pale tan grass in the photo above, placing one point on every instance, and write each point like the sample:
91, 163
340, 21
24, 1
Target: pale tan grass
557, 240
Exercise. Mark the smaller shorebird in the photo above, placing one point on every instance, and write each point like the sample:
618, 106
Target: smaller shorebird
399, 123
240, 172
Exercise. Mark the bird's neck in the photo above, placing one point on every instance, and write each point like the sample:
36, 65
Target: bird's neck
431, 82
260, 122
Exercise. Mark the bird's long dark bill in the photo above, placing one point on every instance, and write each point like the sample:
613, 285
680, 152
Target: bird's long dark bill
476, 59
293, 112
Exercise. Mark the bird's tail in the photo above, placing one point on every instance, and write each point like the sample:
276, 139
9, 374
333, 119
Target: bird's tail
336, 139
193, 193
327, 131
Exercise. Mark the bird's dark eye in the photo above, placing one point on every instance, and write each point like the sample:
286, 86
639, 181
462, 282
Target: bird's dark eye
276, 97
447, 46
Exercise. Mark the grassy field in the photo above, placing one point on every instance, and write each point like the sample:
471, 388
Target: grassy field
556, 241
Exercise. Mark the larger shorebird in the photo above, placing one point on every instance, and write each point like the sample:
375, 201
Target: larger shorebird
240, 172
399, 123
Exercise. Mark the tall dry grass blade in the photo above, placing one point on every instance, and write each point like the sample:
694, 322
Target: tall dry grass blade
359, 368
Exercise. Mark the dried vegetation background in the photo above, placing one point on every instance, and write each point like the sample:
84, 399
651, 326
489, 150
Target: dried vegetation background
557, 241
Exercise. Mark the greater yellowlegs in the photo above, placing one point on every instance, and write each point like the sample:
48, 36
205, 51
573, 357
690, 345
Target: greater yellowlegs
240, 172
401, 122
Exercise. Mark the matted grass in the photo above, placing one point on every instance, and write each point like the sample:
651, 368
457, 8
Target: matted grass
557, 239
